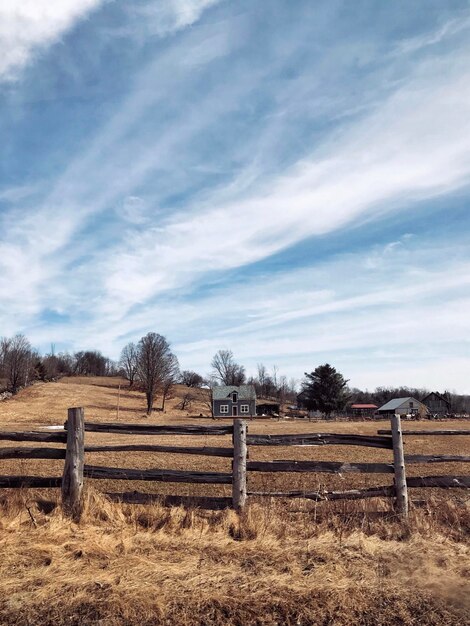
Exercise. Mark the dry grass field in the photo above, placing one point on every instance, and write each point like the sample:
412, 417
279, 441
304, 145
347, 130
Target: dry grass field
295, 563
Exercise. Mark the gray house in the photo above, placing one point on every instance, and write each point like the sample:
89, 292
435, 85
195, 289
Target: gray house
403, 406
232, 401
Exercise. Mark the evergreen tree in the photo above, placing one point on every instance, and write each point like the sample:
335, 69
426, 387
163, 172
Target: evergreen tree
325, 390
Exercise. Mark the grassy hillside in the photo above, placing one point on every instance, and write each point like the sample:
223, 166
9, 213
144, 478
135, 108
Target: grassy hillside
296, 563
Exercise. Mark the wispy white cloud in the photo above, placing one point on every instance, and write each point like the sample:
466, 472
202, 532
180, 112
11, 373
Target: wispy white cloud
388, 160
28, 26
108, 248
380, 322
444, 31
163, 17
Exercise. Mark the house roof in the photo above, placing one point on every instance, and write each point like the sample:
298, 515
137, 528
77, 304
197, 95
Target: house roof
245, 392
396, 402
438, 395
364, 406
261, 401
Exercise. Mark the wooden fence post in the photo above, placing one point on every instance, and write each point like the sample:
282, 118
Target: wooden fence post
239, 464
399, 466
72, 478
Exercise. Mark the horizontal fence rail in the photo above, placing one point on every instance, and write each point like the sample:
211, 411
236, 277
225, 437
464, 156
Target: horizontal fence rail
75, 469
39, 437
32, 453
427, 432
38, 482
157, 475
320, 439
444, 482
436, 458
330, 467
318, 496
202, 451
147, 429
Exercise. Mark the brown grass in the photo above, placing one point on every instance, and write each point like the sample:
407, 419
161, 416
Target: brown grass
154, 565
295, 563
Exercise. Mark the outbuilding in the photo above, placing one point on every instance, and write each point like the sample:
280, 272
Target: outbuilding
363, 410
268, 407
403, 406
437, 404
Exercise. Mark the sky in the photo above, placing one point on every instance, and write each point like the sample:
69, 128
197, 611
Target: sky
286, 179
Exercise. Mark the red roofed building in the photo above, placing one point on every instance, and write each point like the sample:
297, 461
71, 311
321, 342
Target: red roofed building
363, 410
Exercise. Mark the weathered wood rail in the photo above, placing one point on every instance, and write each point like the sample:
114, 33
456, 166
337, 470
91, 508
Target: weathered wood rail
330, 467
75, 470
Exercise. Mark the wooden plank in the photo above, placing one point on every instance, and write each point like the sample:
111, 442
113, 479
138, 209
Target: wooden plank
239, 464
427, 432
436, 458
399, 466
444, 482
54, 437
203, 451
32, 453
158, 475
352, 494
150, 429
36, 482
320, 439
202, 502
331, 467
72, 478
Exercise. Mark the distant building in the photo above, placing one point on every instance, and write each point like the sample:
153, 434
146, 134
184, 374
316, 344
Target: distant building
232, 401
403, 406
268, 407
437, 404
363, 410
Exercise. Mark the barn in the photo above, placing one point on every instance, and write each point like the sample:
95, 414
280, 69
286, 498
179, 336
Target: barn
437, 404
403, 406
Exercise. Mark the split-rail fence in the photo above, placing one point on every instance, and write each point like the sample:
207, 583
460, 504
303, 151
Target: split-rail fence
75, 469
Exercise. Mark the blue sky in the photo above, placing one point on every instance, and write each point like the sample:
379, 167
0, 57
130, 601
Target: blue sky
287, 179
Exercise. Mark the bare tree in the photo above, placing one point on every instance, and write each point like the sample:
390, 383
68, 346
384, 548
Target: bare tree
283, 389
170, 376
186, 401
226, 370
90, 363
274, 377
262, 377
128, 362
4, 351
191, 379
154, 362
17, 362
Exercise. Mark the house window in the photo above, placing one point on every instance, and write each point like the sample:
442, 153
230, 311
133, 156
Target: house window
411, 405
224, 408
234, 397
245, 408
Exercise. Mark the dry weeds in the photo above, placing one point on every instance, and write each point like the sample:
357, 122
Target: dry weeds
155, 565
294, 563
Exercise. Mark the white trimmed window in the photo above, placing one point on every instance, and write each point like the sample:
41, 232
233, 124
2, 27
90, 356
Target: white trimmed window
224, 408
245, 408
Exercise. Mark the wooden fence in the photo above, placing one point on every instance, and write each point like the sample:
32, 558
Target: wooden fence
75, 469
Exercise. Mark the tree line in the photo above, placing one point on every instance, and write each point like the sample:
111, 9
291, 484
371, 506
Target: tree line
151, 365
327, 391
21, 364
